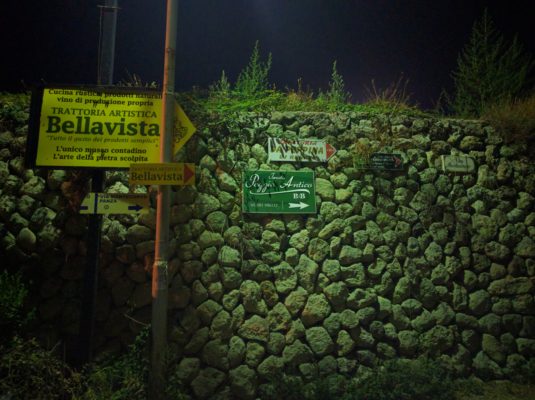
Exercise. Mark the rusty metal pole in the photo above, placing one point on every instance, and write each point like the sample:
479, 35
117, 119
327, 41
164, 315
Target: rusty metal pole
161, 252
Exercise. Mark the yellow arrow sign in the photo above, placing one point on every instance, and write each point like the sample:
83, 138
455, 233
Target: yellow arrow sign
114, 203
183, 129
162, 174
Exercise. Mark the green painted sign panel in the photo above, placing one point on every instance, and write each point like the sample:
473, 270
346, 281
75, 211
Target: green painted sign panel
279, 192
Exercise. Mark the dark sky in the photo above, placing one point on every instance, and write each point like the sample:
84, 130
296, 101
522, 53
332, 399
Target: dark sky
56, 40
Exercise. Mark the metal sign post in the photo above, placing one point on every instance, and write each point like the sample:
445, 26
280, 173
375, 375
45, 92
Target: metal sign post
89, 293
161, 252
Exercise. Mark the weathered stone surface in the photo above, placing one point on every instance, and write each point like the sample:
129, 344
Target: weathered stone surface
296, 353
510, 286
336, 293
271, 367
479, 302
295, 301
421, 262
319, 340
437, 340
485, 367
317, 308
243, 382
325, 189
229, 257
285, 278
279, 318
206, 383
255, 328
204, 204
307, 272
139, 233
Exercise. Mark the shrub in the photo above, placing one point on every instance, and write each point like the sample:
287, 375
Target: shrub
123, 377
13, 317
406, 380
489, 70
221, 88
14, 110
253, 79
395, 97
337, 93
514, 121
27, 371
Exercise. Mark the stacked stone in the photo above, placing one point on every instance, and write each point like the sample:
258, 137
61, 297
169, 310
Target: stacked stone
394, 264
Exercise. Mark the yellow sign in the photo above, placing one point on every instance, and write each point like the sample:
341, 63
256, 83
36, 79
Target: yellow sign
114, 203
183, 129
103, 128
162, 174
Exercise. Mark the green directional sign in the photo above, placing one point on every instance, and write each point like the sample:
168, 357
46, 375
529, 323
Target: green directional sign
279, 192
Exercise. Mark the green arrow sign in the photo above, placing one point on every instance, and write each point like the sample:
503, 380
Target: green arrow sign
279, 192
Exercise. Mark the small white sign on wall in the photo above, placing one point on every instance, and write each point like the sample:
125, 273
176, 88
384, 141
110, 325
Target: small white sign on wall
460, 163
311, 150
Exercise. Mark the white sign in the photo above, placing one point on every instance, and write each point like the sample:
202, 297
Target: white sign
114, 203
463, 164
311, 150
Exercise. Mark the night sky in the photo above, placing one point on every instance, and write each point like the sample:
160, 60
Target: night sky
56, 40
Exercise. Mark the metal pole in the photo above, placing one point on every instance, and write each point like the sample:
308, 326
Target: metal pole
107, 45
161, 252
89, 293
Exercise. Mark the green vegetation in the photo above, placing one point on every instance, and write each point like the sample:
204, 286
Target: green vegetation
337, 96
399, 379
123, 377
14, 110
13, 316
27, 371
407, 380
514, 120
253, 92
490, 71
253, 79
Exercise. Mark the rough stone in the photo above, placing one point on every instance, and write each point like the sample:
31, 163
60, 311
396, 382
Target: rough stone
319, 340
316, 309
206, 383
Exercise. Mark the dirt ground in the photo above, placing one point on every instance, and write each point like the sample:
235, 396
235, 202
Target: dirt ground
498, 390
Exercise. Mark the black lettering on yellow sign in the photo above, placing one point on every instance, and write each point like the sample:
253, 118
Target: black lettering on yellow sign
155, 176
84, 125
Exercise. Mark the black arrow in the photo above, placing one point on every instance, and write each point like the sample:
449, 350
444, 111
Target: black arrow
136, 207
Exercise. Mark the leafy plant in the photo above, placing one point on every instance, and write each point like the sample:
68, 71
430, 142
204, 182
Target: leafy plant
13, 294
490, 70
253, 79
27, 371
221, 88
123, 377
337, 96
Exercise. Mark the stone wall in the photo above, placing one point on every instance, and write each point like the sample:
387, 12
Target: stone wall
394, 264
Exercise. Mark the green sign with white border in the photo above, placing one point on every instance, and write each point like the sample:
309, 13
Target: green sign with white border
279, 192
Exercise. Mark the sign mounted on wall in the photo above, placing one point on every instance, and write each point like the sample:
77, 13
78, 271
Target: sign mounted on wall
310, 150
462, 164
279, 192
162, 174
114, 203
98, 127
381, 161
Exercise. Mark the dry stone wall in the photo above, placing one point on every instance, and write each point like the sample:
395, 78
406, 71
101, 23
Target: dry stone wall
394, 264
